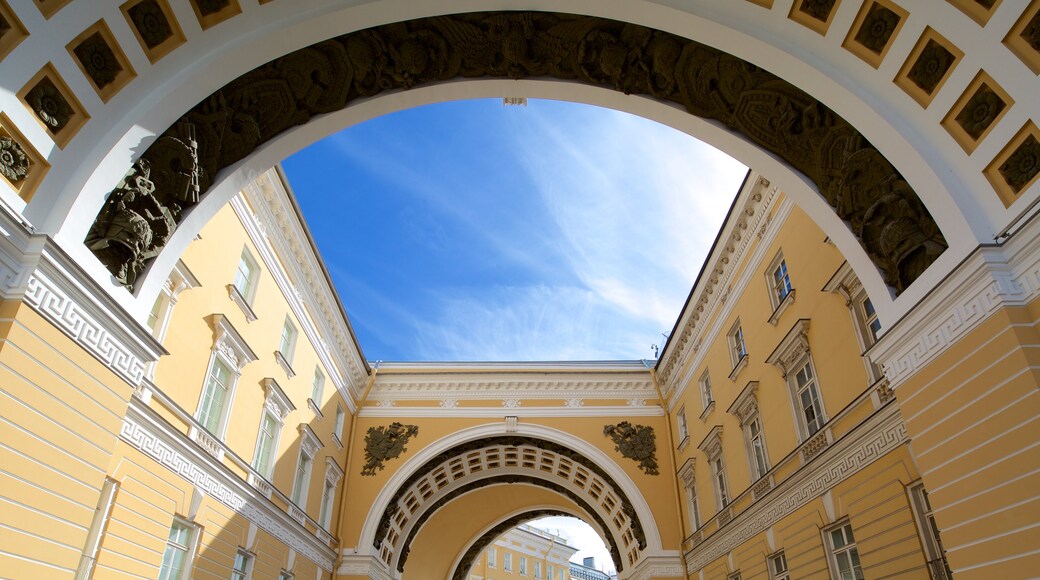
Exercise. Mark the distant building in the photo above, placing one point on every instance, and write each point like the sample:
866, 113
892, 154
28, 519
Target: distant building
524, 552
587, 571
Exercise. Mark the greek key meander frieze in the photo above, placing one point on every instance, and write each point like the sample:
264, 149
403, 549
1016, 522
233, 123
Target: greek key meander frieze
885, 435
148, 443
864, 188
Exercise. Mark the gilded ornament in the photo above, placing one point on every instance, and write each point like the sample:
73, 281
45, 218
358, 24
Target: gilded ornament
14, 163
385, 443
636, 442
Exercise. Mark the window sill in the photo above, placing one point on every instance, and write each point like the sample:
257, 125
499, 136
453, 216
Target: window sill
337, 441
707, 411
314, 409
741, 364
685, 441
284, 363
784, 304
242, 303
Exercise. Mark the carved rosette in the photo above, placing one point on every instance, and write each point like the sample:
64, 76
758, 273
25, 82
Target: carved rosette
864, 188
151, 23
14, 163
49, 105
635, 442
98, 60
385, 443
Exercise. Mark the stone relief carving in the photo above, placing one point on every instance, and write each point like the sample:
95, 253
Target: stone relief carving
767, 110
151, 23
636, 442
98, 60
14, 163
818, 9
386, 443
1023, 165
878, 27
49, 105
980, 111
931, 66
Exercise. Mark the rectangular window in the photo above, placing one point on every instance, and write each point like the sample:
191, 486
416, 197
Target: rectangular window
287, 342
340, 418
781, 282
318, 387
507, 561
523, 566
808, 396
180, 551
756, 447
718, 469
736, 344
215, 396
302, 480
778, 567
246, 276
684, 431
691, 505
266, 443
328, 493
537, 569
549, 573
844, 556
491, 557
243, 565
933, 549
706, 397
285, 576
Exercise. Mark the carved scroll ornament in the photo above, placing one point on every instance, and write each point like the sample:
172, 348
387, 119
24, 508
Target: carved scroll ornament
864, 188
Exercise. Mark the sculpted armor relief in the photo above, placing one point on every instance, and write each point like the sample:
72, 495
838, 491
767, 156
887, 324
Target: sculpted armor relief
863, 187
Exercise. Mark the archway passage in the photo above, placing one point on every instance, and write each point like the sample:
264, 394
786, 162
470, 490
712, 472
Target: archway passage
462, 570
864, 189
504, 462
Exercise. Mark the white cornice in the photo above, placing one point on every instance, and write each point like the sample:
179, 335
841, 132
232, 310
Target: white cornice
271, 222
502, 412
542, 383
992, 277
666, 564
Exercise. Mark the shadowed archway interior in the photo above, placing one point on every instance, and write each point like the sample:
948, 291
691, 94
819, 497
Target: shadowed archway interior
860, 184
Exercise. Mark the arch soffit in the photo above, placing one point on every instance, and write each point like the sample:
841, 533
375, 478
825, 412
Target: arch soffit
382, 501
768, 111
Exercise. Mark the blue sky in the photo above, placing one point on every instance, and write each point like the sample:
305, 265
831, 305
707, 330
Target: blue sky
471, 231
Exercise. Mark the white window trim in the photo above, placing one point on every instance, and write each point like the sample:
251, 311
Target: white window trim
232, 349
683, 427
832, 561
688, 475
745, 409
309, 446
845, 284
318, 388
778, 304
337, 430
712, 447
790, 356
192, 545
935, 554
507, 562
492, 559
181, 279
278, 406
249, 562
707, 397
771, 565
741, 362
244, 300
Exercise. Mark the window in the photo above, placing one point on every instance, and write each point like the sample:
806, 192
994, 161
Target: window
246, 276
718, 469
537, 569
933, 549
216, 396
733, 576
845, 284
687, 474
706, 397
285, 575
736, 344
712, 447
266, 442
287, 342
684, 431
808, 397
491, 557
778, 567
844, 557
340, 418
328, 493
507, 561
523, 566
243, 565
303, 476
756, 447
549, 573
781, 281
870, 319
318, 386
180, 551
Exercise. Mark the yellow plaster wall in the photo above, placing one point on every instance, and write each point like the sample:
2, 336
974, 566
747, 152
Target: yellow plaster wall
972, 416
61, 412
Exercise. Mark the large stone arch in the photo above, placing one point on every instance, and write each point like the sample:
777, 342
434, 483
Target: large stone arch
441, 473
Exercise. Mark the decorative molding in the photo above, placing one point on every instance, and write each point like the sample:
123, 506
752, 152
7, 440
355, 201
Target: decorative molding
746, 403
711, 445
573, 403
388, 410
241, 302
534, 381
284, 363
784, 304
143, 430
275, 399
881, 433
991, 278
792, 349
333, 472
229, 342
309, 442
386, 443
635, 442
363, 565
741, 365
688, 472
511, 403
664, 565
449, 403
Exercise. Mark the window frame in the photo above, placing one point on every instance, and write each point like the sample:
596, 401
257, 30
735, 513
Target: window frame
287, 340
333, 475
707, 398
203, 410
231, 350
318, 386
850, 548
683, 426
309, 447
249, 559
341, 419
522, 565
507, 562
780, 289
712, 448
928, 532
736, 342
277, 406
251, 281
806, 363
774, 572
688, 475
492, 557
189, 548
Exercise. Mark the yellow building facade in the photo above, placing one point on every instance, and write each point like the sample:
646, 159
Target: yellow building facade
524, 552
850, 390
